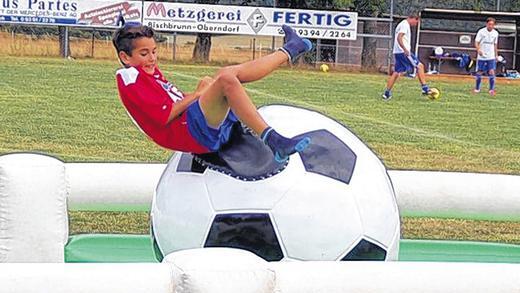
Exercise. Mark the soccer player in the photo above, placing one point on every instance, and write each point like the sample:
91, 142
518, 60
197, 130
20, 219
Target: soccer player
201, 121
404, 59
486, 43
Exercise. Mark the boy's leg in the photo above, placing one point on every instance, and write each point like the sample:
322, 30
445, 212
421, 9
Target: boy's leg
492, 77
226, 91
258, 68
387, 95
391, 81
478, 81
422, 78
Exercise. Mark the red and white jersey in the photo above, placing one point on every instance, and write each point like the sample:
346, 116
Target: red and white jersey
149, 99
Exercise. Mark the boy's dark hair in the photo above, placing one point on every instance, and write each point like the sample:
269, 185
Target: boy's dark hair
414, 15
491, 19
123, 38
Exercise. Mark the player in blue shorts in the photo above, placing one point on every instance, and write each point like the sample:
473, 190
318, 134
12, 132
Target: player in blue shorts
486, 43
404, 59
201, 121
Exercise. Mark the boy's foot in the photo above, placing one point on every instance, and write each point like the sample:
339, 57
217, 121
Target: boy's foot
294, 46
492, 93
281, 146
387, 96
476, 91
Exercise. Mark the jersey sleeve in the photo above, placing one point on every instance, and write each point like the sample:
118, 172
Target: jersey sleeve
152, 105
400, 29
496, 38
479, 36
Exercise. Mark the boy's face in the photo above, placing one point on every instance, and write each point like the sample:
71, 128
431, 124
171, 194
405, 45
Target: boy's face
490, 25
143, 55
413, 21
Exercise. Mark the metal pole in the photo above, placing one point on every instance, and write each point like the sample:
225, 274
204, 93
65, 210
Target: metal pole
336, 53
273, 39
67, 53
498, 5
391, 33
174, 50
254, 48
318, 45
92, 47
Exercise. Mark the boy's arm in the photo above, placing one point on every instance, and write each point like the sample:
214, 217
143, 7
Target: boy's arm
477, 44
496, 48
189, 98
400, 37
181, 106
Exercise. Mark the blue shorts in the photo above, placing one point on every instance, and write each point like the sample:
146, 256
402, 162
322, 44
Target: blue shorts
486, 65
210, 137
405, 63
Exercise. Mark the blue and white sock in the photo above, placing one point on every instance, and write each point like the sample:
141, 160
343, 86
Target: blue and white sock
491, 82
282, 147
425, 88
478, 79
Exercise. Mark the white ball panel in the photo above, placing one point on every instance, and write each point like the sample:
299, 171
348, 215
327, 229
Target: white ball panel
181, 210
317, 220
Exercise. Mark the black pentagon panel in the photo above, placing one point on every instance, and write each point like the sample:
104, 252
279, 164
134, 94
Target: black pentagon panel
244, 157
187, 163
365, 250
329, 156
249, 231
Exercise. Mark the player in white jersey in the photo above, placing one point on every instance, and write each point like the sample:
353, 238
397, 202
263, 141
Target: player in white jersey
486, 43
404, 59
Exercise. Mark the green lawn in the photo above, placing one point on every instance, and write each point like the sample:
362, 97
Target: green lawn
70, 108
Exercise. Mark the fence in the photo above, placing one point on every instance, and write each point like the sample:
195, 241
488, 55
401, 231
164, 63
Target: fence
20, 40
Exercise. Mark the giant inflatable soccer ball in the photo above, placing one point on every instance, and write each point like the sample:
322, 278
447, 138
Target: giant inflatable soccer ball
334, 201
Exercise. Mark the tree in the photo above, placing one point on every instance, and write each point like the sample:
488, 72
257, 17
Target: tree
203, 42
370, 8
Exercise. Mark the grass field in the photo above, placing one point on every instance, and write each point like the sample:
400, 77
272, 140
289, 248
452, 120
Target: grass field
70, 109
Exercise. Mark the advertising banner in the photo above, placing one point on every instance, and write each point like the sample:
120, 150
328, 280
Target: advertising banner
247, 20
91, 13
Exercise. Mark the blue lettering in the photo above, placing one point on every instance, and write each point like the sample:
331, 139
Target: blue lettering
171, 13
304, 18
10, 4
342, 20
180, 13
211, 15
201, 15
220, 15
230, 16
329, 19
31, 2
319, 17
277, 15
238, 15
290, 17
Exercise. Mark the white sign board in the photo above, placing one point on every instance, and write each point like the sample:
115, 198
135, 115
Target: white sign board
91, 13
247, 20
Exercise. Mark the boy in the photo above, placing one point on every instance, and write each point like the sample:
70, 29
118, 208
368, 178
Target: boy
198, 122
486, 43
404, 59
